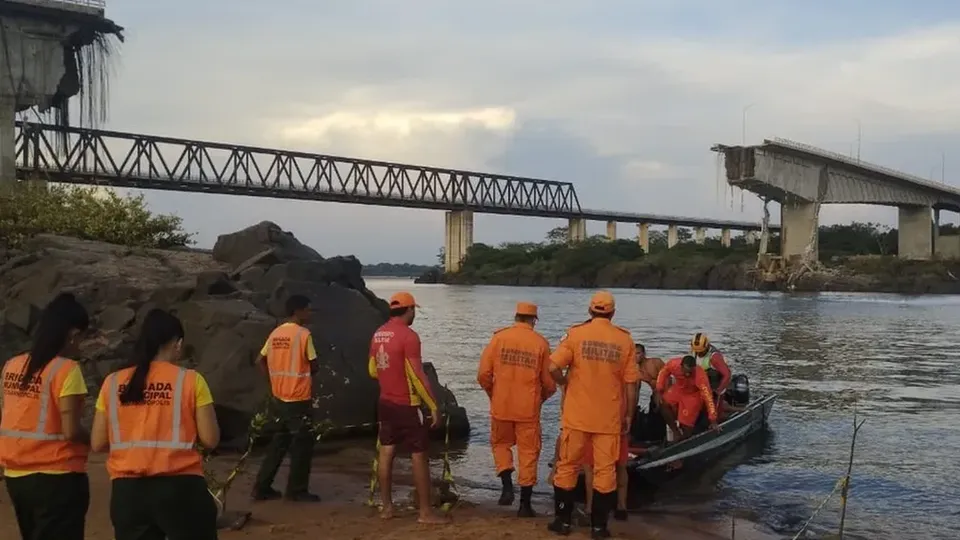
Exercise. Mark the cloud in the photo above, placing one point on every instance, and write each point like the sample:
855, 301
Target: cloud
624, 101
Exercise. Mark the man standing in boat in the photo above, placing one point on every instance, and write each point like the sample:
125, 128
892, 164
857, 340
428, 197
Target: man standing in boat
682, 402
712, 361
514, 372
603, 372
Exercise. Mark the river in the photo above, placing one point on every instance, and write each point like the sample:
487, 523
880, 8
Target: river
892, 359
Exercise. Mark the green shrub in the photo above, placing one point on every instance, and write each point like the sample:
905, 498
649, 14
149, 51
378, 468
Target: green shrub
90, 213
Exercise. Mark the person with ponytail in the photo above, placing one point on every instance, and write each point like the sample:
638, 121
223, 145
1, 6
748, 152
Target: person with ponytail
43, 447
150, 417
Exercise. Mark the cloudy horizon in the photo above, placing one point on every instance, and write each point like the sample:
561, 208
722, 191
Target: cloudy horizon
622, 98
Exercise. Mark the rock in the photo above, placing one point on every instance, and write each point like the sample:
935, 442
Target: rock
115, 318
433, 275
240, 247
228, 302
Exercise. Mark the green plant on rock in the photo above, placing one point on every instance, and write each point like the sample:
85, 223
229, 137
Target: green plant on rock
90, 213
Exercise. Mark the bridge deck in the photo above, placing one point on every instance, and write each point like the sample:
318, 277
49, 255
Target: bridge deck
129, 160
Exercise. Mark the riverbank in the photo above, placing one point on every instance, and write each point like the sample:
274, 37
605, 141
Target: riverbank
708, 269
340, 477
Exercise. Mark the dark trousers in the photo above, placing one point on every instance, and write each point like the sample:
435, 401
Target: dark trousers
293, 434
50, 506
163, 507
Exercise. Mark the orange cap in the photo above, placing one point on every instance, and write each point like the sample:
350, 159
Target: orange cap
602, 303
526, 308
402, 300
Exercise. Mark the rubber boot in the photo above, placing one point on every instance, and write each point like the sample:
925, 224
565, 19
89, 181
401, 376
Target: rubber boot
563, 511
526, 509
506, 493
600, 513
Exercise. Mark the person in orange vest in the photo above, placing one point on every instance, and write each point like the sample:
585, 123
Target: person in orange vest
681, 402
289, 357
601, 358
396, 362
43, 447
149, 418
515, 373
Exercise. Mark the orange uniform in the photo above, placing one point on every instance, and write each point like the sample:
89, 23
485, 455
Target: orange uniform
687, 394
601, 358
31, 437
289, 350
515, 373
157, 437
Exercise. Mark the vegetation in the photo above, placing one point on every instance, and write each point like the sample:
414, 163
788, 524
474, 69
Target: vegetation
28, 209
396, 269
599, 261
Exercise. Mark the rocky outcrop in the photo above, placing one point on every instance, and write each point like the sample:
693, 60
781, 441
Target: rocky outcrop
229, 301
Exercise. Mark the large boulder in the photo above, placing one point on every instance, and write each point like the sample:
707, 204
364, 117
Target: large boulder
229, 301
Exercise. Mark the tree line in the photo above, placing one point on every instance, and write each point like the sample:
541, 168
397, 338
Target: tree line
555, 255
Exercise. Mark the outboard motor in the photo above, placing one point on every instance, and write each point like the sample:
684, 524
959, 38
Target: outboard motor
738, 392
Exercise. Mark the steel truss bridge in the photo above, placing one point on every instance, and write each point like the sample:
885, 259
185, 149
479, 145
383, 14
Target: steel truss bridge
112, 158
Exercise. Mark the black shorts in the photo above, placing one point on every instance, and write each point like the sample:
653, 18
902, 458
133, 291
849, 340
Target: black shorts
403, 426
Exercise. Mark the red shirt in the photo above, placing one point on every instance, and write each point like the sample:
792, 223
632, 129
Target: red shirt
395, 361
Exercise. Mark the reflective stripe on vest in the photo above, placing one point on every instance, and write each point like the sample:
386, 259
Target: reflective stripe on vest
174, 443
295, 356
40, 434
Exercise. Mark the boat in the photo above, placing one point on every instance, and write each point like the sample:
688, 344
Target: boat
653, 461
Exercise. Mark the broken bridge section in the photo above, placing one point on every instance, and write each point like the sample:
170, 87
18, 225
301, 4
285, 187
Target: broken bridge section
802, 178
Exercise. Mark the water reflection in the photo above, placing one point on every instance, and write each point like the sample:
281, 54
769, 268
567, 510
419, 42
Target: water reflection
891, 359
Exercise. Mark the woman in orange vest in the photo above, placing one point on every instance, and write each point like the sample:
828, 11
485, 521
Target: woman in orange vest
42, 445
150, 417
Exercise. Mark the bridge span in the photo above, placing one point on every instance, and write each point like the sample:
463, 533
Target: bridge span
130, 160
802, 177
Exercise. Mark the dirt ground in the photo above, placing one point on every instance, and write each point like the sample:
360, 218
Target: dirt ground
341, 478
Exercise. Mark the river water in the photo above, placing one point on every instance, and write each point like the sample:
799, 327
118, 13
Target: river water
891, 359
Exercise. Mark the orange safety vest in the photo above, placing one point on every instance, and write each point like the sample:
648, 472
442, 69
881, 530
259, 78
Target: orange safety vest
157, 437
31, 436
290, 378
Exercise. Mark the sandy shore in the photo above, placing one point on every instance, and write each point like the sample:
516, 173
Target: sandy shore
341, 477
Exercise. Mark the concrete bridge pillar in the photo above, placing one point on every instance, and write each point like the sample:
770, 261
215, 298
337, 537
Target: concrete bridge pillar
672, 237
798, 224
458, 238
725, 237
576, 230
915, 232
700, 235
611, 230
643, 236
751, 237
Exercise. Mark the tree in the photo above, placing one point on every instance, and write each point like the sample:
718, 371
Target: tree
442, 256
89, 213
557, 235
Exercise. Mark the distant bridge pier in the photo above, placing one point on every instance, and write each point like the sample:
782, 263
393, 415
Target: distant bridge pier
672, 237
611, 230
725, 237
576, 230
915, 230
458, 238
643, 236
700, 235
798, 226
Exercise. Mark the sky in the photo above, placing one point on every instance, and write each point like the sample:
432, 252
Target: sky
621, 97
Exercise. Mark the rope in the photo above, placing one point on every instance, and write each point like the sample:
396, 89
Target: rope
449, 494
841, 484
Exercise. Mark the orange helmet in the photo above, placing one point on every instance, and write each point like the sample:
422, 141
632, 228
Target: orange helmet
700, 343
